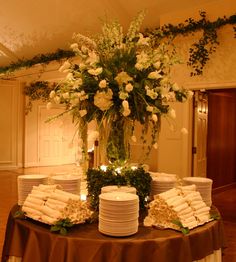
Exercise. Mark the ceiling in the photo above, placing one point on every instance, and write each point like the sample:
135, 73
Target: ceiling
28, 28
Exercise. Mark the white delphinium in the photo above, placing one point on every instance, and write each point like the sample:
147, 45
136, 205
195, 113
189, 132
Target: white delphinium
150, 108
52, 94
65, 67
96, 71
92, 59
143, 61
151, 93
154, 117
66, 95
155, 75
143, 40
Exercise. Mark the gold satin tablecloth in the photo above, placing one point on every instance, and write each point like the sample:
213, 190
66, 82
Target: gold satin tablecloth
33, 242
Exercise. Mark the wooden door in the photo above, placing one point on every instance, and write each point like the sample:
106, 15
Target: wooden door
55, 139
200, 134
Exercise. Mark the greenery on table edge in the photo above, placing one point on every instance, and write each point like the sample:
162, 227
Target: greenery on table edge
138, 178
184, 230
198, 53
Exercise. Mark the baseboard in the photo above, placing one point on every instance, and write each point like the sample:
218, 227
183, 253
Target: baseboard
223, 188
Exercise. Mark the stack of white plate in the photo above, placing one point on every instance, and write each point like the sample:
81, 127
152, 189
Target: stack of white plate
118, 214
25, 184
161, 184
203, 185
69, 183
113, 188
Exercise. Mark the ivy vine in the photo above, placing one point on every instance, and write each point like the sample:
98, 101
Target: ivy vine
58, 55
199, 52
37, 90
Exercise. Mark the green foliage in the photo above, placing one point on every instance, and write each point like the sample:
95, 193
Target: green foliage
215, 215
20, 214
184, 230
199, 53
38, 59
138, 178
38, 90
62, 226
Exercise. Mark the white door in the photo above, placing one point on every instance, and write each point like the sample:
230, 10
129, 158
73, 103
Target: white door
55, 138
200, 134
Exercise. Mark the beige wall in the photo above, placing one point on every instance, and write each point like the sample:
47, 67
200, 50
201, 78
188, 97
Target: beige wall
11, 124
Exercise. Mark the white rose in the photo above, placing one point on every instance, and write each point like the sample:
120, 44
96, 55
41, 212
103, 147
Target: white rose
83, 112
154, 75
57, 99
149, 108
125, 104
93, 58
103, 100
96, 71
82, 66
139, 66
74, 46
69, 76
151, 93
172, 113
154, 117
129, 87
103, 83
66, 95
52, 94
65, 67
126, 112
157, 65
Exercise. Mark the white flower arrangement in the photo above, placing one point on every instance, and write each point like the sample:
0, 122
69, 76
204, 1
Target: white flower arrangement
120, 76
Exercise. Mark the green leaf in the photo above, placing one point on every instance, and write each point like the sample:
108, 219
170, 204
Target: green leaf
63, 231
55, 228
19, 214
185, 230
177, 223
215, 216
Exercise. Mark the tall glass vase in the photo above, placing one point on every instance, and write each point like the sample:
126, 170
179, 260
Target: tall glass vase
118, 148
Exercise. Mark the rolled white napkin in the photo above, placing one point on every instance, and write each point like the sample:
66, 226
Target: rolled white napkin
31, 211
203, 217
170, 193
70, 195
198, 206
175, 201
48, 220
186, 211
202, 210
30, 204
34, 200
56, 206
50, 212
181, 207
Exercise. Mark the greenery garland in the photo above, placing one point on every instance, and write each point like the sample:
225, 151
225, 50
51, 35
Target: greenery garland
199, 52
58, 55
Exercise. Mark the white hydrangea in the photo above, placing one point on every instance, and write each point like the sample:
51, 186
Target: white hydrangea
123, 78
103, 100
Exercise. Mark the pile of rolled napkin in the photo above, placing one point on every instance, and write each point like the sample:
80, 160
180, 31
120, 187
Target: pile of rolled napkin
48, 204
183, 204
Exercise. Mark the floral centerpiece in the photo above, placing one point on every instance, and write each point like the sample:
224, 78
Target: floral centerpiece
119, 80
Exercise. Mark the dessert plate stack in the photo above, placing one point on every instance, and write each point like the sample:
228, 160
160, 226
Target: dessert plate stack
118, 214
161, 184
69, 183
25, 184
203, 185
113, 188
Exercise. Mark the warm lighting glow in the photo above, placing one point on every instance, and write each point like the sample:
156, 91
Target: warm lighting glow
83, 197
134, 167
103, 168
118, 170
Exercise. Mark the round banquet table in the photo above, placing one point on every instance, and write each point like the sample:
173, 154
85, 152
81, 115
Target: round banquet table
33, 242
